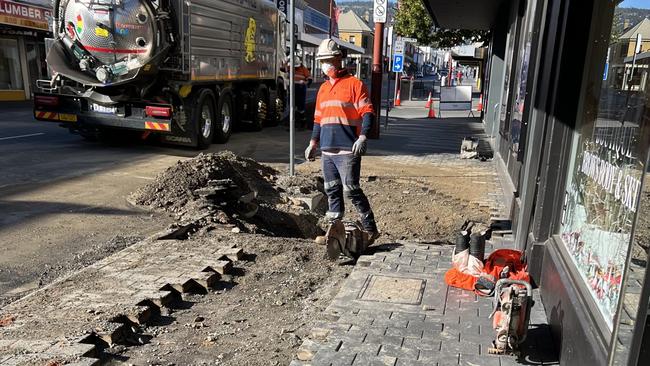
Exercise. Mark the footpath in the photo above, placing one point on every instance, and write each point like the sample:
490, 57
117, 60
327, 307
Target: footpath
395, 308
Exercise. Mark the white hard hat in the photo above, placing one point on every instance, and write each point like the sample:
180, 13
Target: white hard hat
328, 49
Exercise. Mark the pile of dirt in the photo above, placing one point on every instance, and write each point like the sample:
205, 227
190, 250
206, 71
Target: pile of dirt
222, 189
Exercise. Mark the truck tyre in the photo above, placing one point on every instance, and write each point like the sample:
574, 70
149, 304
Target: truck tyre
261, 117
225, 118
204, 118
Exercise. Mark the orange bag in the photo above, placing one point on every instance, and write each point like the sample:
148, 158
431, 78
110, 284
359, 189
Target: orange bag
492, 268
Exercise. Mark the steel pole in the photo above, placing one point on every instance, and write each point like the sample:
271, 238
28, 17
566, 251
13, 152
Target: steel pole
375, 91
292, 89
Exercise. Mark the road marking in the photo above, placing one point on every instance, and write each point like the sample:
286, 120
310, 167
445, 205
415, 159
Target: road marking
20, 136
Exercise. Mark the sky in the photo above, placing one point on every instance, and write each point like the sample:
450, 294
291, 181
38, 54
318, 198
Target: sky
643, 4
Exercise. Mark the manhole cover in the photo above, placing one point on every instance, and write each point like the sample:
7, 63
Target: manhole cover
393, 289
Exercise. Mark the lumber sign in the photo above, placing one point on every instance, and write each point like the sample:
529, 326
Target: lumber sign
456, 98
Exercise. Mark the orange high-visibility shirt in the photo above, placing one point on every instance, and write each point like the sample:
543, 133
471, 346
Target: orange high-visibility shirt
301, 74
339, 111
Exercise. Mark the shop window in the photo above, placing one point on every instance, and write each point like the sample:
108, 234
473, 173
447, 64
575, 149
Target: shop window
11, 76
604, 184
521, 76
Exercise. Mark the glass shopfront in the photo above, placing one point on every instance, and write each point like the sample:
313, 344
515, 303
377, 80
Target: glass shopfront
609, 157
11, 76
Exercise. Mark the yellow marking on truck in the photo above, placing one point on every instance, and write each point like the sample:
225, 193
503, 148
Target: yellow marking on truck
185, 90
156, 126
101, 32
47, 115
67, 117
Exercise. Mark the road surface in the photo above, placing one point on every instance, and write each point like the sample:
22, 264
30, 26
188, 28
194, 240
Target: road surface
63, 199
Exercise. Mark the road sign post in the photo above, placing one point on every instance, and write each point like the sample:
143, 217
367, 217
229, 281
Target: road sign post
398, 63
379, 11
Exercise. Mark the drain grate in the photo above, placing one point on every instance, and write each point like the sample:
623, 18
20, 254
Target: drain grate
396, 290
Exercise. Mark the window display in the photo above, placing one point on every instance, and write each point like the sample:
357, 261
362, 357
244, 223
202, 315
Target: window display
605, 178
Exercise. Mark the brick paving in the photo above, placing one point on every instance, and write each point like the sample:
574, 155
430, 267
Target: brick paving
99, 305
395, 308
443, 326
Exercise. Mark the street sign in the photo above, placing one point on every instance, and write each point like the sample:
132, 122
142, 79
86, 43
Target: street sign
282, 5
379, 11
412, 40
398, 63
399, 46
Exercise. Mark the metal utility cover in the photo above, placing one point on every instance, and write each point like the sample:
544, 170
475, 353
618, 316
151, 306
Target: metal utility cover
392, 289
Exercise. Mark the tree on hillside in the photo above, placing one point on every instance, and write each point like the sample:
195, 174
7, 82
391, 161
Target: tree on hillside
413, 20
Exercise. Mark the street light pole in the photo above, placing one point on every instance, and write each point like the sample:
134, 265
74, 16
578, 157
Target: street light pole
292, 89
377, 70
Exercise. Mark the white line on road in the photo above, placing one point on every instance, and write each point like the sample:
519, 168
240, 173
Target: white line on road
20, 136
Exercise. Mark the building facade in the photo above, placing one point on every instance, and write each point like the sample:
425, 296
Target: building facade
354, 29
568, 116
23, 27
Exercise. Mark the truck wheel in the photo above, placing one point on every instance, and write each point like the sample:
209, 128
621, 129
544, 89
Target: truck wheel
204, 118
225, 118
261, 117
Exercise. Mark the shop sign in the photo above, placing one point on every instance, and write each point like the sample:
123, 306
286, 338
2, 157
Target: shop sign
23, 15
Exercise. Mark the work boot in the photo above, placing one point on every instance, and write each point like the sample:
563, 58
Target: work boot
335, 239
372, 236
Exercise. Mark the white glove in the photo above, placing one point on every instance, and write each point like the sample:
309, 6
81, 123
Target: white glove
360, 146
310, 151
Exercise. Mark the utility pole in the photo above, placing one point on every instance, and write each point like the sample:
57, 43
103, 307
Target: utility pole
379, 16
292, 89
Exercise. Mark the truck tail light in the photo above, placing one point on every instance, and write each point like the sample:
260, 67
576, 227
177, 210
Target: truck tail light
165, 112
46, 100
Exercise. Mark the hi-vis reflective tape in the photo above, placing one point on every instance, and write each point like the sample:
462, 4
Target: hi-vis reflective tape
156, 126
47, 115
67, 117
53, 116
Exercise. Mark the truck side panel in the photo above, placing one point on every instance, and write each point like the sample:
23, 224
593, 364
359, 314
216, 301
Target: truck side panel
233, 40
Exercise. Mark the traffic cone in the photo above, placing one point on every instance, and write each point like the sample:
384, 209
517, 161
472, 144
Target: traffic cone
479, 108
432, 111
398, 102
428, 101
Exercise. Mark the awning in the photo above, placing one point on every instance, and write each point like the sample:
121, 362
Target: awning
316, 38
463, 14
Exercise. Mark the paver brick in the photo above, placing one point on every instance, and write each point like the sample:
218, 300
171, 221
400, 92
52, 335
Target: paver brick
399, 352
405, 332
391, 340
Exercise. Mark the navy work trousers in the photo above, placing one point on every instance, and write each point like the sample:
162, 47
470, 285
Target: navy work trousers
341, 174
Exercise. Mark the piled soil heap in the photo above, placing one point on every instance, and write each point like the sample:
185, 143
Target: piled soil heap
222, 189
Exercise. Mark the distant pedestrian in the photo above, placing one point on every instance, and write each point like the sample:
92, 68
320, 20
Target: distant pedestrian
302, 80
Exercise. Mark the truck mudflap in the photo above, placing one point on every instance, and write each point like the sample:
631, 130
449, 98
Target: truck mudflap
80, 114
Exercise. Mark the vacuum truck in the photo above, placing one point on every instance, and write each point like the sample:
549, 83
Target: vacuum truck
186, 70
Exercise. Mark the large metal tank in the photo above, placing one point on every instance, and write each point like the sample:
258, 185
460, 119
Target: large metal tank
106, 41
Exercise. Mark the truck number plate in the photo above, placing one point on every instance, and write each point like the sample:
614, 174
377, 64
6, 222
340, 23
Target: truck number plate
102, 109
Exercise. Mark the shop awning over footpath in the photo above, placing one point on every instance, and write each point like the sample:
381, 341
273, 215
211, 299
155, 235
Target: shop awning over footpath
463, 14
314, 39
